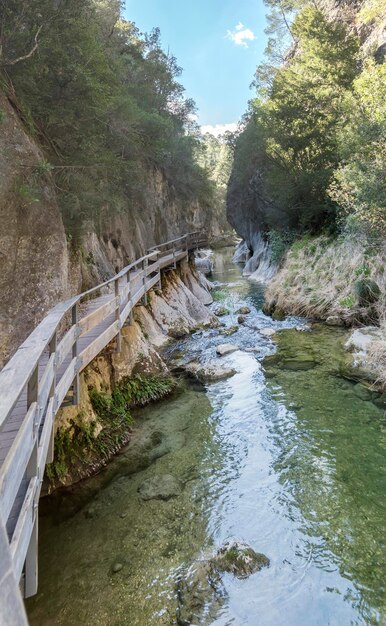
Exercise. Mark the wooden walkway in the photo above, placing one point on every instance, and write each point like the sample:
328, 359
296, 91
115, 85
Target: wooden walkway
42, 377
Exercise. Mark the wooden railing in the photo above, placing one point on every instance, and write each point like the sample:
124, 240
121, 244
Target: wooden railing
43, 376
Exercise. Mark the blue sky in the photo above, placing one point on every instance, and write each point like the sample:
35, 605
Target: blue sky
218, 43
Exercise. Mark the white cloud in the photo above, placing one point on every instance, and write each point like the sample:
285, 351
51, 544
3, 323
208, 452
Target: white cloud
219, 129
240, 35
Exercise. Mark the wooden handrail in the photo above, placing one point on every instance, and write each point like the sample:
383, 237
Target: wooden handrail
44, 373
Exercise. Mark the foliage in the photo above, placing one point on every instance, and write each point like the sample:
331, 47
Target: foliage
359, 184
79, 443
103, 99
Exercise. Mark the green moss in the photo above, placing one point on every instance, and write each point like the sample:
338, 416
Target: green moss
78, 445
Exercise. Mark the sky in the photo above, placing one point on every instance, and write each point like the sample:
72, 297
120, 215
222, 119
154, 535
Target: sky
218, 43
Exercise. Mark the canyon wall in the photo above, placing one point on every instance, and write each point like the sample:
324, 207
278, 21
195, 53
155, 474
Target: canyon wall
39, 264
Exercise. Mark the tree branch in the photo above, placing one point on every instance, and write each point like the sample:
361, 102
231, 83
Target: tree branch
29, 54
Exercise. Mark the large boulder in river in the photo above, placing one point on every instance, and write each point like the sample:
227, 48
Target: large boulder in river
163, 487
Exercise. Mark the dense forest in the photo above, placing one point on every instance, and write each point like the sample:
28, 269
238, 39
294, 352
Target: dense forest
104, 101
315, 132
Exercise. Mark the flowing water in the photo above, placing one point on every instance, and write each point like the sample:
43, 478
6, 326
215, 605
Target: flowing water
288, 457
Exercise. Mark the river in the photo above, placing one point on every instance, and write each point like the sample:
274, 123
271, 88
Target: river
289, 458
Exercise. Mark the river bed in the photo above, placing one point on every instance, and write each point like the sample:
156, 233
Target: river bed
286, 457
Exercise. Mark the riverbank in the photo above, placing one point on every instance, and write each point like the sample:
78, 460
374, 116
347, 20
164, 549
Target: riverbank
284, 455
88, 435
339, 281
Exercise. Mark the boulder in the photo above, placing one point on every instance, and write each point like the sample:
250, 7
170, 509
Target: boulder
267, 332
244, 310
226, 348
162, 487
200, 590
239, 559
361, 339
227, 332
221, 310
241, 319
209, 372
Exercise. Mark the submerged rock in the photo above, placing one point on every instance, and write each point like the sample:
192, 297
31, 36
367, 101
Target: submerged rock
200, 589
226, 348
163, 487
298, 364
239, 559
116, 568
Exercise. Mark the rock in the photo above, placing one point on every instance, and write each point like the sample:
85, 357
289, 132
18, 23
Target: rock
221, 310
116, 568
163, 487
227, 332
244, 310
241, 319
178, 331
360, 340
239, 559
267, 332
213, 373
272, 360
226, 348
334, 320
199, 589
298, 364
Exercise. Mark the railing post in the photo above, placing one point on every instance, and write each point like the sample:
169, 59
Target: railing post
159, 270
50, 451
75, 353
117, 314
144, 268
130, 318
174, 255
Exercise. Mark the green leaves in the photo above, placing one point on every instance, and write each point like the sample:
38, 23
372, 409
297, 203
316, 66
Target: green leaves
105, 102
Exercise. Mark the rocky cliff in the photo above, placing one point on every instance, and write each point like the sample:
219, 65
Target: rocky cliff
39, 266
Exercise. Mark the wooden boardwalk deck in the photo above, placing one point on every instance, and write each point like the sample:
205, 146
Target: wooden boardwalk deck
41, 377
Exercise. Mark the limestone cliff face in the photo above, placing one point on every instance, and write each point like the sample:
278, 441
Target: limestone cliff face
38, 267
174, 311
34, 261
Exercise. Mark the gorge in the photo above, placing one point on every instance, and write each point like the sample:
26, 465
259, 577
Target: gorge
192, 320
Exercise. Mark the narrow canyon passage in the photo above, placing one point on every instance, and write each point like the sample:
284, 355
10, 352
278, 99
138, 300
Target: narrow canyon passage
284, 456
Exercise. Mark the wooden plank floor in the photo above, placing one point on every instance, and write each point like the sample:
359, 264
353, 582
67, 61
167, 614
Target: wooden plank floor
12, 426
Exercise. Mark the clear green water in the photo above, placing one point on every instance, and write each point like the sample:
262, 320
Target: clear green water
290, 461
